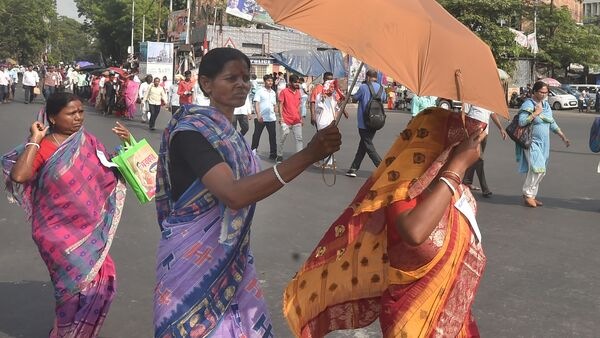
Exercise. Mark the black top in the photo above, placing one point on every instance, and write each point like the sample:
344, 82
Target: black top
191, 157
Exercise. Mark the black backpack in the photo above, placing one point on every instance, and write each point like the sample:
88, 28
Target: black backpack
374, 114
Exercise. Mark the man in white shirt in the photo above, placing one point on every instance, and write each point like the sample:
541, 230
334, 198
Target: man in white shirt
144, 107
265, 100
242, 115
30, 81
483, 115
13, 73
4, 84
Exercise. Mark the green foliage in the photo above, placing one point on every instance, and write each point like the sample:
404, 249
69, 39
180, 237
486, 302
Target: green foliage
561, 40
490, 19
25, 29
70, 42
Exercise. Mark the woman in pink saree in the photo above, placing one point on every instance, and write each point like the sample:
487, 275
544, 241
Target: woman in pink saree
74, 203
131, 94
95, 89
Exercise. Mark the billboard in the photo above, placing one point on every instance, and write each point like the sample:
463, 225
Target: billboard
156, 58
176, 25
249, 10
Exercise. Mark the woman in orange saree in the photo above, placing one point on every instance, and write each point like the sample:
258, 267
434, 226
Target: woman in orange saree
402, 252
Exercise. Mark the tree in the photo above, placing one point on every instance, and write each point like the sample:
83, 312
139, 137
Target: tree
561, 40
25, 29
490, 20
69, 41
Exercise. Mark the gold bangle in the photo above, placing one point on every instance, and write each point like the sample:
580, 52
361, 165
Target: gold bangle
455, 176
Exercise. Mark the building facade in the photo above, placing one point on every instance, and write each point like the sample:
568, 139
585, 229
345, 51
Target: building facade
575, 6
258, 44
591, 9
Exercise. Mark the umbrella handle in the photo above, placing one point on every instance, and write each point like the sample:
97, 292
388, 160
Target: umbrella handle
459, 88
343, 106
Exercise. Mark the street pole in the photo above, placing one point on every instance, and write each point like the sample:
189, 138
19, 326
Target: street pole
535, 36
170, 6
143, 28
187, 29
132, 23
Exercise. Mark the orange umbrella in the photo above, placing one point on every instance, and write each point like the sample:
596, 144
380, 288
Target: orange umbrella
417, 42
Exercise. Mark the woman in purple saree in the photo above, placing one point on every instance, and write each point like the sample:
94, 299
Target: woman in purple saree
74, 203
208, 182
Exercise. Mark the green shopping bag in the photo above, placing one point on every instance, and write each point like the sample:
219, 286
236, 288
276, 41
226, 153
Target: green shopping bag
137, 162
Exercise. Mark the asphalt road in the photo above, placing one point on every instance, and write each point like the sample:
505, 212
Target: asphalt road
541, 278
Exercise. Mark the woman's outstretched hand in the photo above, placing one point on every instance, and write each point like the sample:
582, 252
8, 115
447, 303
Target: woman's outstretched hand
325, 142
122, 132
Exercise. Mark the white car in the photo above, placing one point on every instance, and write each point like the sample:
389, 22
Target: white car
560, 99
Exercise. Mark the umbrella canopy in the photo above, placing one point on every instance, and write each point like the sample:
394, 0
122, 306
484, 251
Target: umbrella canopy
550, 82
121, 72
82, 64
417, 42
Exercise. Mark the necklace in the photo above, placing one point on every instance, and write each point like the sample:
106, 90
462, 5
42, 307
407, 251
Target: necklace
55, 140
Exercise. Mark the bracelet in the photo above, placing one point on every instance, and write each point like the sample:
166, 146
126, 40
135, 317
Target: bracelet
32, 144
445, 180
278, 176
455, 176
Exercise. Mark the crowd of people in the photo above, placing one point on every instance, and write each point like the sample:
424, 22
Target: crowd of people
406, 244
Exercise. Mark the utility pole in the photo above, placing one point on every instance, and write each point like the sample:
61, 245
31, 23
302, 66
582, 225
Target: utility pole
132, 23
144, 28
158, 30
533, 68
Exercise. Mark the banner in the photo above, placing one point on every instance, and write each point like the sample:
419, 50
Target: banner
156, 59
177, 25
248, 10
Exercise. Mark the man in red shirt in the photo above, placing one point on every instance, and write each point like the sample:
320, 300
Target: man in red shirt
186, 89
290, 119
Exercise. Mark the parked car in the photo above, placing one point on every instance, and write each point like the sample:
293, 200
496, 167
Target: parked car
560, 99
571, 89
449, 104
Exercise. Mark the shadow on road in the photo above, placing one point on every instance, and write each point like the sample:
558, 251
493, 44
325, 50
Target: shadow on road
578, 204
27, 309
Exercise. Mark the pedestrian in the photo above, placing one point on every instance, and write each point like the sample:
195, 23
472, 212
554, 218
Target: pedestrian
4, 84
401, 252
206, 281
483, 115
172, 94
303, 97
242, 115
74, 203
131, 89
111, 87
365, 144
51, 81
324, 107
155, 97
144, 108
533, 161
289, 116
420, 103
186, 89
30, 81
13, 73
265, 101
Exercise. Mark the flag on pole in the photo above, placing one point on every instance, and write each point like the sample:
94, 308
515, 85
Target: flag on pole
520, 38
532, 43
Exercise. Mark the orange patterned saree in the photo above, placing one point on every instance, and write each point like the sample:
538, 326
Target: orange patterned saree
362, 270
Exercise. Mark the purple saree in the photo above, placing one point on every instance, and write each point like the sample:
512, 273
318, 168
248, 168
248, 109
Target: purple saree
206, 282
